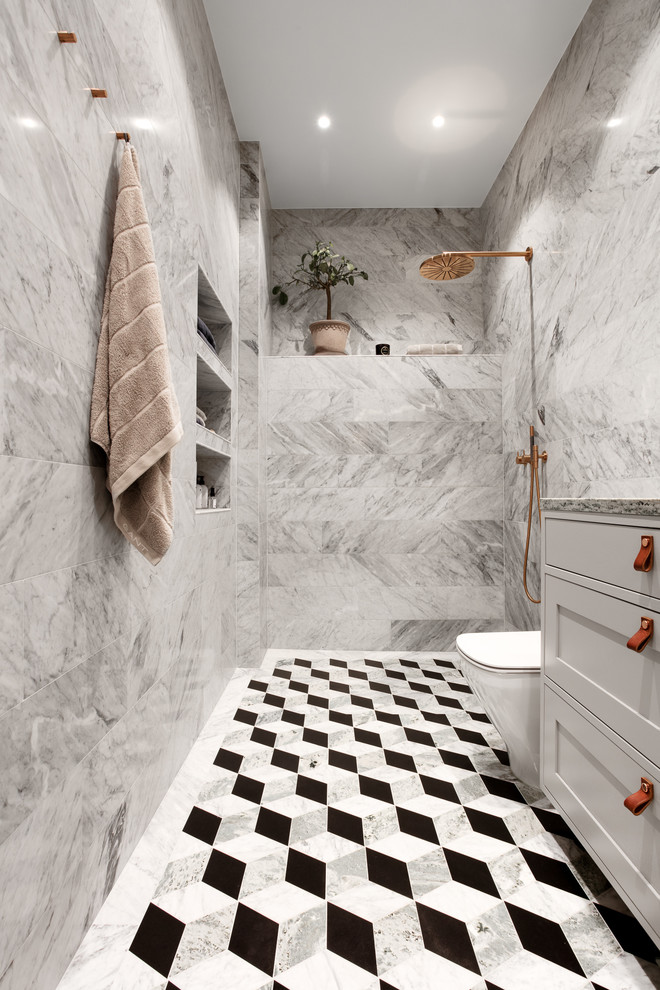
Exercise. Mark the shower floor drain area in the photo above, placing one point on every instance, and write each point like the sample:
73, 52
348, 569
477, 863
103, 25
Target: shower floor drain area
360, 829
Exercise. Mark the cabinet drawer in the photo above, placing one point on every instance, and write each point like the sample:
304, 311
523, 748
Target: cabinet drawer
585, 653
603, 551
587, 772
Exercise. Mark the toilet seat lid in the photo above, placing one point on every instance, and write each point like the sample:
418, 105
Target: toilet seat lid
502, 650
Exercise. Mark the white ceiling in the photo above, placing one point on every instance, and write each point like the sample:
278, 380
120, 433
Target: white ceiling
381, 70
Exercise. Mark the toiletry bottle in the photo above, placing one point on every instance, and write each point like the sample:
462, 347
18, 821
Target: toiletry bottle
213, 501
199, 491
205, 493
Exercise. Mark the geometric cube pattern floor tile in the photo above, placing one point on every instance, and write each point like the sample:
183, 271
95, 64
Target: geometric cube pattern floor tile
360, 829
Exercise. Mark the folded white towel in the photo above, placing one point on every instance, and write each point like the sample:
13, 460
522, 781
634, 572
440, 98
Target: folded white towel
199, 412
452, 347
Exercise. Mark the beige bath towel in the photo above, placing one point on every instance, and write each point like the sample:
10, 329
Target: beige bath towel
135, 416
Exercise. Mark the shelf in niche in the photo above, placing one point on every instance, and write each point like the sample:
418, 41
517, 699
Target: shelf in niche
206, 512
211, 372
213, 395
214, 314
211, 443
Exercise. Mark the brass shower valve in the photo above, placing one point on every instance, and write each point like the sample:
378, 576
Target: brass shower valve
523, 458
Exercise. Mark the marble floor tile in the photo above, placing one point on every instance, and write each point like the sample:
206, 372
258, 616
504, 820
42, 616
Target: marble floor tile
352, 824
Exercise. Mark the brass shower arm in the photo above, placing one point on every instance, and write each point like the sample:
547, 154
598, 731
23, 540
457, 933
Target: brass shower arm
528, 254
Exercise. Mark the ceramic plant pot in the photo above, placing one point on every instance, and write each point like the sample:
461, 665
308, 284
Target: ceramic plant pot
329, 336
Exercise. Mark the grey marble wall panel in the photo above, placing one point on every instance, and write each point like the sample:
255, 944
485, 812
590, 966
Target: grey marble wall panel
396, 305
580, 327
108, 666
385, 511
252, 397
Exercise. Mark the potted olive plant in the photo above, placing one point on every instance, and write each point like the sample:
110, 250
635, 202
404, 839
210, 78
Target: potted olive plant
322, 269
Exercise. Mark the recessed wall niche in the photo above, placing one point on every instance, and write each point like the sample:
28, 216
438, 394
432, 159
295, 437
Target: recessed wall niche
214, 393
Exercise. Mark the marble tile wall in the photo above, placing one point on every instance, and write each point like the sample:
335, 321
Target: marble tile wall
254, 345
396, 306
108, 667
384, 500
579, 329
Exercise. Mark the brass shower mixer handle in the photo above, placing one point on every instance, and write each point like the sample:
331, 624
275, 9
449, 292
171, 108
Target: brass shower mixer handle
523, 458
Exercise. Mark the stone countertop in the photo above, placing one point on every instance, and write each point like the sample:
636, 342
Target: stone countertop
612, 506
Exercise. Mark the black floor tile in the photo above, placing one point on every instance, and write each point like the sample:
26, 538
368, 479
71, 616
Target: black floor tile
275, 700
287, 761
469, 735
249, 789
313, 789
263, 736
403, 761
157, 939
487, 824
629, 933
374, 788
348, 826
203, 825
274, 825
318, 701
544, 937
224, 873
415, 824
306, 872
550, 820
243, 715
447, 937
368, 738
352, 938
553, 872
342, 760
228, 760
343, 718
503, 788
459, 760
390, 717
295, 718
315, 737
471, 872
388, 872
254, 938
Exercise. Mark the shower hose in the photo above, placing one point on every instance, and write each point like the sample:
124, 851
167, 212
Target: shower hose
533, 480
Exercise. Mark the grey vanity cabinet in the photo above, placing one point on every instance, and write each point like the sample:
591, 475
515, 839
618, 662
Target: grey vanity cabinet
600, 700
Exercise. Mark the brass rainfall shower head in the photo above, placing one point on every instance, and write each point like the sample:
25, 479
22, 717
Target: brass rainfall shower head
455, 264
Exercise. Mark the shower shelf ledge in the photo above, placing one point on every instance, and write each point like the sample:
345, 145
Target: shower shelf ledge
211, 372
211, 443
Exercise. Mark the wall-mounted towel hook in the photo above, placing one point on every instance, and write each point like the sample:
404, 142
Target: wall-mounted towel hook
123, 136
67, 37
99, 94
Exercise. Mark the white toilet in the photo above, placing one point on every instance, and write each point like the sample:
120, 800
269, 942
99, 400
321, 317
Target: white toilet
504, 671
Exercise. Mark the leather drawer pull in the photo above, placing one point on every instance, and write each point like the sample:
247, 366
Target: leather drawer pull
642, 636
641, 799
644, 559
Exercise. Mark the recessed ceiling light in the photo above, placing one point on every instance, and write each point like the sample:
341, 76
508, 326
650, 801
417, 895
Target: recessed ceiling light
323, 121
29, 122
614, 121
438, 121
